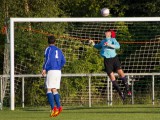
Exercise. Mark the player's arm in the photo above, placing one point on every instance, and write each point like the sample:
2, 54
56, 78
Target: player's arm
97, 46
46, 61
44, 69
43, 73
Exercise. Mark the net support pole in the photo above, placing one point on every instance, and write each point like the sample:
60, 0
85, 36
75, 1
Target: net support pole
12, 93
132, 91
153, 89
108, 91
89, 84
111, 91
1, 102
22, 92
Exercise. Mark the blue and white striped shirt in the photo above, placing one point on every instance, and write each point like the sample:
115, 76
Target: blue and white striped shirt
108, 51
54, 58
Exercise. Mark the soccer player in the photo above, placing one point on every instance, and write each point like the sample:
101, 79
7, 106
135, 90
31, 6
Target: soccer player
54, 62
112, 64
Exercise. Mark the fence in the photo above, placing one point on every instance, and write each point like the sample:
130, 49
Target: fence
95, 89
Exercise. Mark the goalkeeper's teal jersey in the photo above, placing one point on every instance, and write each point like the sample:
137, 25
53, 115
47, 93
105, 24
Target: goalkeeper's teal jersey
106, 51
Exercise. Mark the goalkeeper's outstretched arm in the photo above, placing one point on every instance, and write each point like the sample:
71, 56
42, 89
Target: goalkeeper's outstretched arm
97, 46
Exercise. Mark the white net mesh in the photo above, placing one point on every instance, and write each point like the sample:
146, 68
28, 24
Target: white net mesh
139, 41
139, 53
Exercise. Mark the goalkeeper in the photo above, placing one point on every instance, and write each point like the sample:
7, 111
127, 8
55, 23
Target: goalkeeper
112, 64
54, 62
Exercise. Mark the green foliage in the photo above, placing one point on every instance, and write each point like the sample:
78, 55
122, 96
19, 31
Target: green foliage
2, 41
142, 8
74, 89
44, 8
36, 92
26, 55
30, 46
91, 8
89, 63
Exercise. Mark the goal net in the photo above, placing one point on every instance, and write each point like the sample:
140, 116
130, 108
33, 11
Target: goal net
139, 53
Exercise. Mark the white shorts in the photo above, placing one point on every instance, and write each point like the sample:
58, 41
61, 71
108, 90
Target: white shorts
53, 79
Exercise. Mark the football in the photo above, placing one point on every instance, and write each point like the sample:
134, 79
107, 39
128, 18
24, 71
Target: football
105, 12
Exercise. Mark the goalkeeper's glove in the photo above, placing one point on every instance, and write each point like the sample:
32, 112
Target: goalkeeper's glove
108, 45
91, 42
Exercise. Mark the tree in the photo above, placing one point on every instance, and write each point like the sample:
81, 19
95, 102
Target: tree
91, 8
142, 8
28, 8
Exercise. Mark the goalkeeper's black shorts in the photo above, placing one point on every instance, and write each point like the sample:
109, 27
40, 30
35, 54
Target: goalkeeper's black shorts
112, 64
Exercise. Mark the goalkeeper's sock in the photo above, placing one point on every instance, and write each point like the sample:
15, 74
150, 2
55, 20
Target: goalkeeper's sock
57, 99
116, 86
50, 98
125, 82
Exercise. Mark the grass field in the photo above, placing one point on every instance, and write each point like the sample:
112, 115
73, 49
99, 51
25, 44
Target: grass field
131, 112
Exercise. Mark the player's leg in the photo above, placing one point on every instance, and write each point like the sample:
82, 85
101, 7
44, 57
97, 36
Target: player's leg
49, 94
50, 98
109, 67
115, 85
58, 109
117, 67
56, 97
51, 82
56, 86
57, 101
124, 81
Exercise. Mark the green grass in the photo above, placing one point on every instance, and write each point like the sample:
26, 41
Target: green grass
130, 112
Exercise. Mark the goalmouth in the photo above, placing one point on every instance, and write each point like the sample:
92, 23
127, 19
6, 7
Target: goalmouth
18, 20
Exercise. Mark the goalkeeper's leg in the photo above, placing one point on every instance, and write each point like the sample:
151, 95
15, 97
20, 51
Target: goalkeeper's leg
124, 81
116, 86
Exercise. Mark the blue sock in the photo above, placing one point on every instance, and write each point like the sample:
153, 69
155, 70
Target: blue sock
50, 98
57, 99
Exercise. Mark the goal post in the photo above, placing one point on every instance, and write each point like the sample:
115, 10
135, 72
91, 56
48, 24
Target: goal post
26, 20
